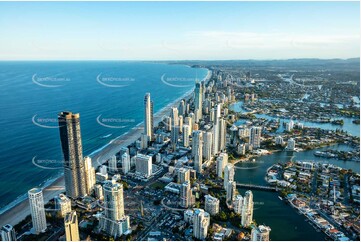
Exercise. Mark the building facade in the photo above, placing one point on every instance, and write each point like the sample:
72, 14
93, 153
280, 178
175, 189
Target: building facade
37, 210
114, 221
71, 226
71, 143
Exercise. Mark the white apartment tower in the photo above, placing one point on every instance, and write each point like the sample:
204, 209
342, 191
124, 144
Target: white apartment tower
247, 209
8, 233
211, 205
125, 159
255, 137
207, 145
260, 233
231, 192
238, 204
222, 161
201, 221
37, 210
113, 168
222, 134
114, 221
183, 175
186, 195
186, 133
89, 174
62, 204
228, 174
143, 165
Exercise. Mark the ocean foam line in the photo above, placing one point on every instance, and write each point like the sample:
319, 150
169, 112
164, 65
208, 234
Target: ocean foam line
24, 196
48, 182
186, 94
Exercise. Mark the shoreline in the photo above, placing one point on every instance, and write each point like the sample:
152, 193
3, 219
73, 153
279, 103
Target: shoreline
16, 213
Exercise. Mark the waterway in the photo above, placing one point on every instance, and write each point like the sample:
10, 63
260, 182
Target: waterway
285, 222
351, 128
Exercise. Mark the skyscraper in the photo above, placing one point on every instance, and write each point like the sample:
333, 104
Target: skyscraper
89, 174
37, 210
188, 121
62, 204
113, 221
186, 195
197, 143
238, 204
180, 123
231, 192
148, 117
113, 169
182, 108
228, 174
183, 175
198, 93
211, 204
143, 165
8, 233
71, 226
255, 137
125, 163
186, 131
70, 136
222, 134
260, 233
201, 221
291, 144
207, 145
247, 209
175, 127
216, 129
222, 161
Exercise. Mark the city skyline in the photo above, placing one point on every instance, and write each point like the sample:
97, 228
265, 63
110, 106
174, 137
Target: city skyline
180, 121
178, 30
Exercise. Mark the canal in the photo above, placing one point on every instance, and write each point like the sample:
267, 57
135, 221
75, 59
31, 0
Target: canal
285, 222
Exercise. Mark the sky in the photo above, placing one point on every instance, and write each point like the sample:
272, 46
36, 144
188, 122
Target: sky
178, 30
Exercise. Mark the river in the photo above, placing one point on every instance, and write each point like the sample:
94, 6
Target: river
285, 222
351, 128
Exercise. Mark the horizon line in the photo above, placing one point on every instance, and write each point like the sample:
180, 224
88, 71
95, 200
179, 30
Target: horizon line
168, 60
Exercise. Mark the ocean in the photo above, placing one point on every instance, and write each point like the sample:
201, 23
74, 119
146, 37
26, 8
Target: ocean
109, 96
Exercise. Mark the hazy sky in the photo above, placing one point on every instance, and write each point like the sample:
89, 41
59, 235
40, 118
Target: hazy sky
170, 30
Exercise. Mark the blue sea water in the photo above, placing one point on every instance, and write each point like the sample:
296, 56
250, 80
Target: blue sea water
109, 96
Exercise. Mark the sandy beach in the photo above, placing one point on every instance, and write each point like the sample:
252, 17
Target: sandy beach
17, 213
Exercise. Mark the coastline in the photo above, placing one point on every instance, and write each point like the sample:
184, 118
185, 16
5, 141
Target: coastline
16, 213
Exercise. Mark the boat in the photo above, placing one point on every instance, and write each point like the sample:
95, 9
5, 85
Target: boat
106, 136
280, 198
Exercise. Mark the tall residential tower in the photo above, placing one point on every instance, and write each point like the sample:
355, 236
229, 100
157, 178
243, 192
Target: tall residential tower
148, 117
70, 136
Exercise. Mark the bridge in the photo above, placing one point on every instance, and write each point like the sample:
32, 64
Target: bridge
257, 187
